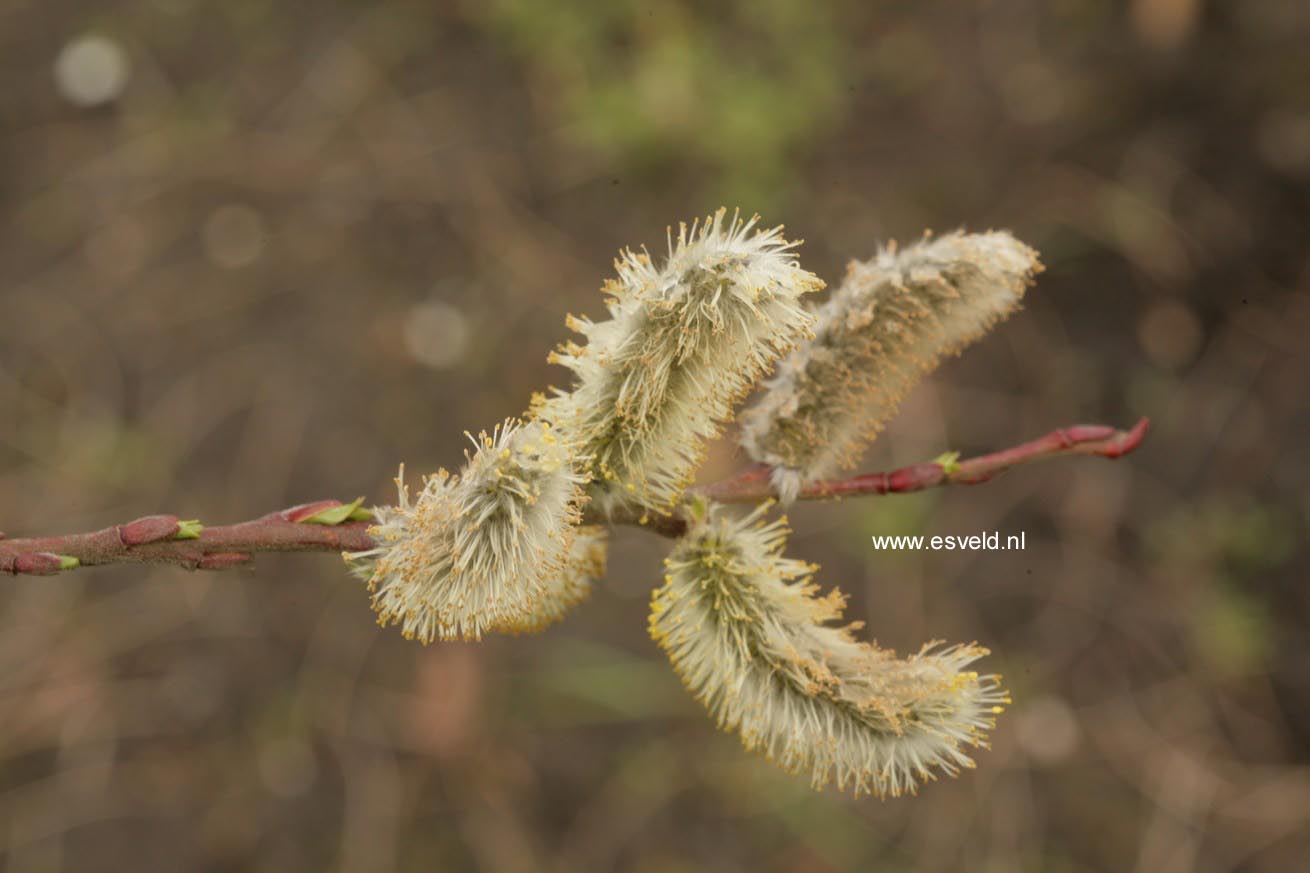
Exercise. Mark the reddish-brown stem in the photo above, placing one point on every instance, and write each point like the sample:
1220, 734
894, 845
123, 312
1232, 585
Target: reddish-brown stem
155, 538
753, 484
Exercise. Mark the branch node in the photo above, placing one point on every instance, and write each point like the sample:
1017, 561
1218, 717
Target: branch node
41, 563
148, 529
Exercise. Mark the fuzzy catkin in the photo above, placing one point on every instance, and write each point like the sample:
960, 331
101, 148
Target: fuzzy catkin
892, 319
745, 631
584, 564
483, 551
683, 342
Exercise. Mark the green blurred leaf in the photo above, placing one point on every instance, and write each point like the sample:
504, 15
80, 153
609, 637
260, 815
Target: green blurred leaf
616, 684
735, 89
1232, 630
334, 515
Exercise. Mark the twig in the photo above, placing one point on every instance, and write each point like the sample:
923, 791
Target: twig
332, 526
753, 484
165, 539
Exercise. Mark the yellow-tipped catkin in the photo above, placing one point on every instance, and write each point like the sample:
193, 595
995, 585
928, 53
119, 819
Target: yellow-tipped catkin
752, 641
683, 342
892, 319
483, 551
584, 565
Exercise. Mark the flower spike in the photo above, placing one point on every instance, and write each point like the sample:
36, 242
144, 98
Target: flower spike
683, 343
483, 551
892, 320
751, 640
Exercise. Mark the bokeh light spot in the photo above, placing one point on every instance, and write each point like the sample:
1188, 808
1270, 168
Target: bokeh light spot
91, 70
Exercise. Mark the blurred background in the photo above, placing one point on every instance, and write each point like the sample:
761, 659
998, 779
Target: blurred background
254, 253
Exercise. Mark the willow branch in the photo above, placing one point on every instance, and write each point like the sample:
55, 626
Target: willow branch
331, 526
753, 484
166, 539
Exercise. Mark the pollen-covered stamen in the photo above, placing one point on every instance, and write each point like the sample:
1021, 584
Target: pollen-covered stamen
564, 590
752, 641
682, 344
892, 319
479, 552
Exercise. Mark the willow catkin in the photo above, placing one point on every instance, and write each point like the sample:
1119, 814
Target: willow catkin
572, 584
892, 319
683, 342
752, 641
483, 551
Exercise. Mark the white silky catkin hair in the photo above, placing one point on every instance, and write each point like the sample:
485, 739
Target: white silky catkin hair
752, 642
891, 320
584, 564
491, 550
684, 341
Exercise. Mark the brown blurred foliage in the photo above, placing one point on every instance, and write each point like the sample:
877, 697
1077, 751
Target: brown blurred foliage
256, 252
